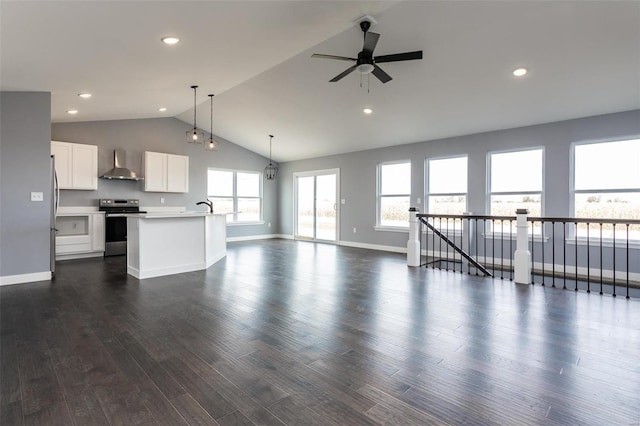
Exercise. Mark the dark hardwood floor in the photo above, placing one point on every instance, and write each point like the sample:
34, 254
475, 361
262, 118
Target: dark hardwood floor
295, 333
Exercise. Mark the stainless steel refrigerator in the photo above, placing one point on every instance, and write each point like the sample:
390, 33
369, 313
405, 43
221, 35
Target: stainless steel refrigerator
55, 199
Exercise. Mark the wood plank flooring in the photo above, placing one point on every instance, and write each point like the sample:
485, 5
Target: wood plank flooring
296, 333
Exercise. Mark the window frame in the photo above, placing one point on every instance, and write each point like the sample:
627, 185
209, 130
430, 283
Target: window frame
573, 191
379, 196
428, 194
233, 215
490, 193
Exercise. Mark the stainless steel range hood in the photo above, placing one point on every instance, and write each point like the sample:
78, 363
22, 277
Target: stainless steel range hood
119, 171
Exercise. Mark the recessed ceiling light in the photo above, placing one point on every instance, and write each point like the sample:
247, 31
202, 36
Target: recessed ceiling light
72, 111
519, 72
367, 110
84, 95
162, 109
170, 40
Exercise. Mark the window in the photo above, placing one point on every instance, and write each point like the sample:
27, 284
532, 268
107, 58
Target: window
394, 194
446, 185
236, 192
515, 182
606, 182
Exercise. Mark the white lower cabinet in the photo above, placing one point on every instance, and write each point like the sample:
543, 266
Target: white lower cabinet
79, 235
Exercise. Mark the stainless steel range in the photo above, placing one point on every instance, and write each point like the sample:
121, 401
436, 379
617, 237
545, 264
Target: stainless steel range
116, 223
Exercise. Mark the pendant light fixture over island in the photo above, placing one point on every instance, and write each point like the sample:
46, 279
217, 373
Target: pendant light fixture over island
271, 171
194, 135
211, 144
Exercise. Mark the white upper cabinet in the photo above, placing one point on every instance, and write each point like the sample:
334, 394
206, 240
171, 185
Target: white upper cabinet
76, 165
166, 172
155, 172
177, 173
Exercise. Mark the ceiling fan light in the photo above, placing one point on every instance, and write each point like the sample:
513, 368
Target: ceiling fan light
365, 68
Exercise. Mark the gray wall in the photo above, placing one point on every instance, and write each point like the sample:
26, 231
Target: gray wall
162, 135
358, 170
25, 130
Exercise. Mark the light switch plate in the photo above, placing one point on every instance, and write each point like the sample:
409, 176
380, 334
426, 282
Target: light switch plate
37, 196
343, 201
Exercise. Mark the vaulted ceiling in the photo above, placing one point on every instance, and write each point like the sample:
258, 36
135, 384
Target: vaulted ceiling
583, 59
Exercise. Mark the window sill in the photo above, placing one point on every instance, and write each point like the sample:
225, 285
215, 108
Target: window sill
244, 223
606, 242
513, 236
391, 229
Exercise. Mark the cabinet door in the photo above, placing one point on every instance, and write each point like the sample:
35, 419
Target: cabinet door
62, 151
97, 232
85, 166
177, 173
155, 172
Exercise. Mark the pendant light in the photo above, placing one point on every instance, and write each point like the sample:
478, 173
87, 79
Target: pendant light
194, 135
211, 144
271, 171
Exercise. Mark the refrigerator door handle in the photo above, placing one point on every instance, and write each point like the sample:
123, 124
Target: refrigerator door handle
57, 194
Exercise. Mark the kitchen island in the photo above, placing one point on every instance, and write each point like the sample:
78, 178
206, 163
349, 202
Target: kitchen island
171, 243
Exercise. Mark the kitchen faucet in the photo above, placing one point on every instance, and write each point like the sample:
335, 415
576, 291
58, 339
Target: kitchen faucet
208, 203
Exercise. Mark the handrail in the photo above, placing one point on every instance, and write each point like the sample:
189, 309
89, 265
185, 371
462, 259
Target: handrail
609, 262
455, 247
535, 219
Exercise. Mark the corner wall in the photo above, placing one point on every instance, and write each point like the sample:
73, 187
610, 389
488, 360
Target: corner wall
358, 171
25, 132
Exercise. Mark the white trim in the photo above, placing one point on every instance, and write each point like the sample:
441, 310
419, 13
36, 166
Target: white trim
25, 278
254, 237
378, 247
244, 223
71, 256
284, 236
164, 209
77, 210
606, 242
391, 229
170, 270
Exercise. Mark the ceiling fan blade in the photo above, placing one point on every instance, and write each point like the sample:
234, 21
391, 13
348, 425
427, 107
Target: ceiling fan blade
382, 76
370, 41
407, 56
343, 74
340, 58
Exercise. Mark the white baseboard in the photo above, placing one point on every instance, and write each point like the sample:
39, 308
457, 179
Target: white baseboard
254, 237
284, 236
25, 278
72, 256
393, 249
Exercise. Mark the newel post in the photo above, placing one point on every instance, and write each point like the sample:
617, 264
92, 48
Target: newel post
522, 256
413, 245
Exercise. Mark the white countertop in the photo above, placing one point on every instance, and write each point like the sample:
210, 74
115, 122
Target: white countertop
169, 215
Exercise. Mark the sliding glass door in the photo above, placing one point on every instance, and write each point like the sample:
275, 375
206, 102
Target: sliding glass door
316, 205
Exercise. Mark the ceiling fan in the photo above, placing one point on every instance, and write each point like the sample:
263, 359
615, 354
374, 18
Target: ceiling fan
366, 63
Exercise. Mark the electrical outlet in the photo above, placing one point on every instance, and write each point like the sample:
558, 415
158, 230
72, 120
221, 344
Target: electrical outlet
343, 201
161, 200
37, 196
354, 229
